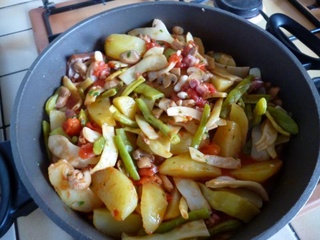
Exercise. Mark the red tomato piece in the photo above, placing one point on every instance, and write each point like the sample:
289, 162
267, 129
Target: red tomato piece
210, 149
72, 126
86, 151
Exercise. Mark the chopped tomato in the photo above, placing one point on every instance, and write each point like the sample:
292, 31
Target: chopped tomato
146, 179
94, 127
175, 58
100, 82
101, 70
201, 66
72, 126
193, 94
147, 175
147, 172
210, 149
151, 44
86, 151
210, 87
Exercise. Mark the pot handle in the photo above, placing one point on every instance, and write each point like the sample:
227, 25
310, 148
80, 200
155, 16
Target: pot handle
277, 21
15, 200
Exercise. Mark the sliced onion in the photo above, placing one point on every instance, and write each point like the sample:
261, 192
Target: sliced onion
109, 154
213, 160
146, 128
190, 190
184, 112
90, 135
225, 181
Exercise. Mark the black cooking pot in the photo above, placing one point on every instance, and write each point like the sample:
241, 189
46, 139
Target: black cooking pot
220, 31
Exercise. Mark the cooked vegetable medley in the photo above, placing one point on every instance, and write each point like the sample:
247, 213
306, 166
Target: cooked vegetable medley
157, 138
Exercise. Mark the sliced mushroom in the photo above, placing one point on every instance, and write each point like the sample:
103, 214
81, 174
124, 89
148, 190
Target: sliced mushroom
83, 199
64, 94
130, 57
75, 99
77, 66
79, 180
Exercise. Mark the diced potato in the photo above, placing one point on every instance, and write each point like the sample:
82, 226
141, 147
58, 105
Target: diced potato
115, 44
183, 166
221, 84
100, 113
57, 118
153, 206
173, 206
126, 105
230, 203
238, 115
258, 172
229, 139
184, 144
104, 222
117, 192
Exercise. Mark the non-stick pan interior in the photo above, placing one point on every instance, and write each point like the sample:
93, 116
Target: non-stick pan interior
220, 31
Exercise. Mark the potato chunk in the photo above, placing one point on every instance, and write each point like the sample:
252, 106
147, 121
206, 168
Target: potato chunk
104, 222
258, 172
153, 206
115, 44
229, 139
183, 166
126, 105
100, 113
116, 191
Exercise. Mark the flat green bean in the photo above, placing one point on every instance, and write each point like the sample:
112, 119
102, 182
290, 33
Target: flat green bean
194, 215
148, 92
235, 94
155, 122
196, 140
126, 158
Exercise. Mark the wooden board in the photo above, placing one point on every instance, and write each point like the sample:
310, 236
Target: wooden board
62, 21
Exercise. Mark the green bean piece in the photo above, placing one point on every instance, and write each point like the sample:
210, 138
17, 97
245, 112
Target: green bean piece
59, 131
235, 94
98, 145
254, 98
118, 116
198, 136
168, 52
121, 132
259, 110
110, 92
155, 122
226, 226
51, 102
148, 92
46, 133
130, 88
283, 120
249, 112
194, 215
83, 117
126, 158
